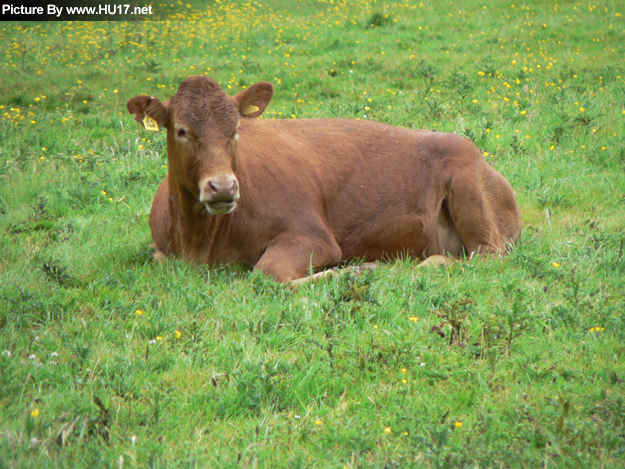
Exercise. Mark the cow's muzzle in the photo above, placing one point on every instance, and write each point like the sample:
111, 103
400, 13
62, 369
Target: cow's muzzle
219, 194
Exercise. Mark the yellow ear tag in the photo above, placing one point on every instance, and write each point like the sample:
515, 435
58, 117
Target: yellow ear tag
150, 124
250, 108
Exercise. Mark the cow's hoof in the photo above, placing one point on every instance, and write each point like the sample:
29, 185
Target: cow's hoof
159, 255
435, 261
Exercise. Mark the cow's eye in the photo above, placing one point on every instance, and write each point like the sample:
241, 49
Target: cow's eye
182, 133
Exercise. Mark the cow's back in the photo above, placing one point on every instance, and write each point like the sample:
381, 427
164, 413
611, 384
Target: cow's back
379, 189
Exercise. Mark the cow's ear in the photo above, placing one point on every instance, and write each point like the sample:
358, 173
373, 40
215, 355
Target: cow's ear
149, 112
253, 101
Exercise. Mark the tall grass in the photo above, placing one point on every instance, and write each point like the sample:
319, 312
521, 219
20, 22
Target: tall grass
110, 360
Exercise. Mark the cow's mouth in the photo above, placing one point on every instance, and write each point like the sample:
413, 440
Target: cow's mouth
220, 207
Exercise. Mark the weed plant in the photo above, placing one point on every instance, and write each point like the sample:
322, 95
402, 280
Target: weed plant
108, 360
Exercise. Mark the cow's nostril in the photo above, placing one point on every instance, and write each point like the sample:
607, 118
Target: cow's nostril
212, 187
219, 189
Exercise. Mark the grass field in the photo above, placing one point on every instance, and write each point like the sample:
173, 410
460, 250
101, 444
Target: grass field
108, 360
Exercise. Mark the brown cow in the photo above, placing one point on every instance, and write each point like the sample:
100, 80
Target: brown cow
288, 196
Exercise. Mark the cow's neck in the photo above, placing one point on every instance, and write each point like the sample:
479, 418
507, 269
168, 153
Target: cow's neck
196, 230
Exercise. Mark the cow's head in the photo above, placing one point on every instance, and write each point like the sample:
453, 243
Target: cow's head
202, 124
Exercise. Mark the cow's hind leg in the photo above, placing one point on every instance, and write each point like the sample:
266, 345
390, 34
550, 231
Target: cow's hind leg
484, 210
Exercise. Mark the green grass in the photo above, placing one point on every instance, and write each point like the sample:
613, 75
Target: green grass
110, 360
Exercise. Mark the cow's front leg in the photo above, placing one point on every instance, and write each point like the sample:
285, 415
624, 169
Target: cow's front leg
160, 221
357, 269
290, 258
